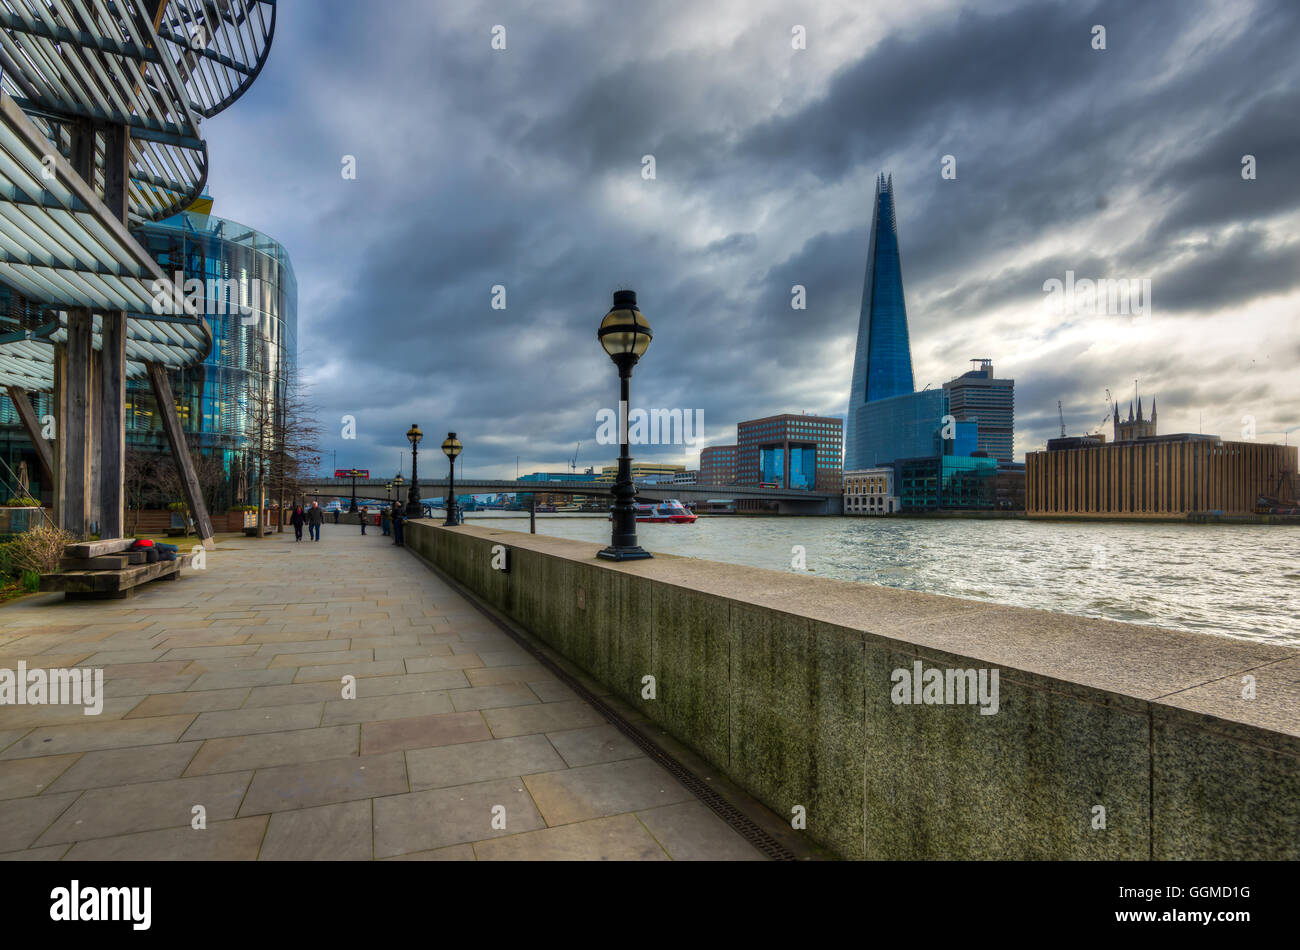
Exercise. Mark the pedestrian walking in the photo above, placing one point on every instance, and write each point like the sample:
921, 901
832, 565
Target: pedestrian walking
398, 520
297, 519
336, 515
315, 518
362, 515
385, 521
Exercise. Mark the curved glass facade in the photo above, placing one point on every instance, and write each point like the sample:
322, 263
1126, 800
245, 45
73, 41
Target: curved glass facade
251, 305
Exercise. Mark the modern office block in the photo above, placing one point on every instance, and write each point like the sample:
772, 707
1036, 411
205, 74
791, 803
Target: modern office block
946, 482
978, 396
718, 465
1158, 476
790, 451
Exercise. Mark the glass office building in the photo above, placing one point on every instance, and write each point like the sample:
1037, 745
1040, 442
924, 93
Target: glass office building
237, 395
946, 481
906, 426
882, 364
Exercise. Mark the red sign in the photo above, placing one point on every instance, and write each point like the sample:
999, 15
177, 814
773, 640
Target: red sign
351, 473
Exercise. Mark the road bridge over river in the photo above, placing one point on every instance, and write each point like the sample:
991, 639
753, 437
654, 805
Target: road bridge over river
787, 501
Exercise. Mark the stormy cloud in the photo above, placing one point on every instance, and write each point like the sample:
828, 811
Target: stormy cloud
522, 168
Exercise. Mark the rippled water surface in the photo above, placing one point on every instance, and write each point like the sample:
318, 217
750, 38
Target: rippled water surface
1234, 580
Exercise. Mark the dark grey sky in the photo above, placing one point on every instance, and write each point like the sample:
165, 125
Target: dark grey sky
523, 167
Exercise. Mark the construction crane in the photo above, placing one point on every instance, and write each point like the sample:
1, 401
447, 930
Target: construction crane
1061, 413
1106, 417
573, 465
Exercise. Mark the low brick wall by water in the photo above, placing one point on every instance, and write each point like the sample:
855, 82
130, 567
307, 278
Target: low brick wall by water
1109, 740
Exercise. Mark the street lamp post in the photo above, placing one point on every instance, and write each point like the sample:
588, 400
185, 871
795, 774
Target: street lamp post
451, 447
388, 494
414, 435
625, 335
353, 508
398, 483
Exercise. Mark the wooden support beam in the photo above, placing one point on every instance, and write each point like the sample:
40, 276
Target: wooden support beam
74, 432
72, 429
162, 391
110, 401
96, 414
32, 425
117, 165
111, 404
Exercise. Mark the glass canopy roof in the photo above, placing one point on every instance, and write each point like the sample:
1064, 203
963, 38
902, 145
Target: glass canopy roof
155, 66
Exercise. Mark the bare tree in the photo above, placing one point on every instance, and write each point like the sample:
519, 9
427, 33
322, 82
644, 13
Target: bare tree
152, 480
141, 478
285, 431
297, 440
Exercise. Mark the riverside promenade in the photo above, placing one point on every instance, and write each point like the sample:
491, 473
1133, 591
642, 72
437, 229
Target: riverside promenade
224, 702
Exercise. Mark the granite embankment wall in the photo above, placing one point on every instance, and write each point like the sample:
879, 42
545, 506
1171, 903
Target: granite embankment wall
784, 682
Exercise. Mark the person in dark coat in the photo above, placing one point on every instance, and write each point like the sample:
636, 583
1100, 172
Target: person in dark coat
362, 515
399, 519
386, 521
297, 519
315, 518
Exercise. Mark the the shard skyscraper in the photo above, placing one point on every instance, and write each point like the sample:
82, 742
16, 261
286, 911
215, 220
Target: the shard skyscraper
882, 365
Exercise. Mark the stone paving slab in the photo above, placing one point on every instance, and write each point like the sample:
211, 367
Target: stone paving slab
594, 744
246, 722
621, 838
226, 690
24, 777
471, 762
235, 840
122, 809
420, 821
422, 732
275, 748
111, 767
324, 833
689, 831
608, 788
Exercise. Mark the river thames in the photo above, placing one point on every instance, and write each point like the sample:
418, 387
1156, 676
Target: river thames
1232, 580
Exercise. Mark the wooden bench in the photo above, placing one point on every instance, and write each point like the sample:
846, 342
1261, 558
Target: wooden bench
98, 570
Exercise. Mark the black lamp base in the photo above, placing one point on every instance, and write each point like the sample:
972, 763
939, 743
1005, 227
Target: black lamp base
612, 553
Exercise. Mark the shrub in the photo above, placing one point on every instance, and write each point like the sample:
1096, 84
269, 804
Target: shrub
177, 506
31, 581
23, 501
243, 507
38, 550
6, 559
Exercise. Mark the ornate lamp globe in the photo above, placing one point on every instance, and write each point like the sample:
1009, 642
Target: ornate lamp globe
414, 435
451, 446
625, 332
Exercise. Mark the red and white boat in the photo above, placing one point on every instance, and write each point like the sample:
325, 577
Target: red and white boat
671, 511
